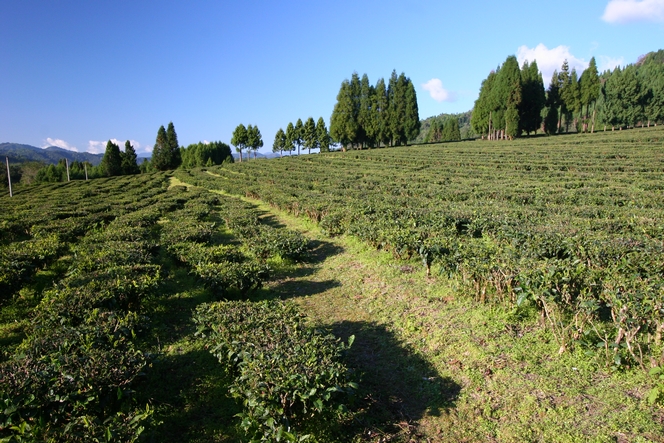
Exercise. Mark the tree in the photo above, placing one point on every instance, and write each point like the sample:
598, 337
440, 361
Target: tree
553, 104
412, 117
364, 115
112, 162
590, 87
534, 97
299, 130
510, 95
450, 130
291, 137
240, 139
128, 162
481, 119
379, 113
343, 125
309, 134
173, 146
254, 139
206, 154
435, 133
322, 136
161, 155
280, 142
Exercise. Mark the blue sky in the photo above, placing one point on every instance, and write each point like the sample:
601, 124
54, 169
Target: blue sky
77, 73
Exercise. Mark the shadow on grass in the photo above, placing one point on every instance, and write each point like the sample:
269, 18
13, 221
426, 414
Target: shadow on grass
301, 288
397, 386
190, 394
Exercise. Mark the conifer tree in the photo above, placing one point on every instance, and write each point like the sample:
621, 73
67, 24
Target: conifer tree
254, 139
553, 104
322, 136
451, 130
366, 130
534, 97
590, 86
161, 154
343, 125
299, 134
111, 163
173, 147
380, 113
412, 117
129, 165
279, 142
291, 136
240, 139
309, 134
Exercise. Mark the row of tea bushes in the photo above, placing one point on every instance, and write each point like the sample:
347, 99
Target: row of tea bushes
73, 378
289, 376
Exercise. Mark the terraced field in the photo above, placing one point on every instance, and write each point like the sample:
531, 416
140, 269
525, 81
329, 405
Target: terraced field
495, 292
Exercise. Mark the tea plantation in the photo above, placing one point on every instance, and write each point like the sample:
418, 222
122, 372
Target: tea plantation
472, 291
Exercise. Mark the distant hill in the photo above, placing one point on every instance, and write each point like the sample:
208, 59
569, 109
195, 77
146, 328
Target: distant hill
19, 153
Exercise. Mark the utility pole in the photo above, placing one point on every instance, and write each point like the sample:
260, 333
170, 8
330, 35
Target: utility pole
67, 163
85, 166
9, 177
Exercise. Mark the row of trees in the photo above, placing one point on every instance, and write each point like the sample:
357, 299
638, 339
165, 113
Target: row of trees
205, 154
247, 138
309, 135
443, 131
116, 162
367, 115
166, 151
634, 94
512, 100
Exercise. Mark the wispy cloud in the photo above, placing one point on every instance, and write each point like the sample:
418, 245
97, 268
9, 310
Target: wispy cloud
629, 11
549, 60
59, 143
437, 92
99, 147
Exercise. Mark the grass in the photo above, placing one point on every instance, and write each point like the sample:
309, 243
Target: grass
433, 365
436, 366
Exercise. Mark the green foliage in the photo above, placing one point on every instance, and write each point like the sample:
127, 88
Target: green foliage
206, 154
322, 136
254, 139
240, 139
576, 240
112, 161
280, 142
129, 165
309, 138
368, 116
288, 375
161, 154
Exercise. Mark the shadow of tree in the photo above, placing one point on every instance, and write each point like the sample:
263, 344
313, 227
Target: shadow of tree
301, 288
397, 386
190, 394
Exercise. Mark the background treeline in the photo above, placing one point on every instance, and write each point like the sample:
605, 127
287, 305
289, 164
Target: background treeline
166, 155
367, 115
512, 100
307, 135
431, 129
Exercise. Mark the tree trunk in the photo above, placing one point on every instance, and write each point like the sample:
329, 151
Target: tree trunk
592, 131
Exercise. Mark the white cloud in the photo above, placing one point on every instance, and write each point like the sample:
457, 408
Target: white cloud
438, 93
99, 147
549, 60
627, 11
59, 143
604, 62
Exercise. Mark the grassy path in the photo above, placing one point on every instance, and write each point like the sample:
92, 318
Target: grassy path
436, 367
432, 366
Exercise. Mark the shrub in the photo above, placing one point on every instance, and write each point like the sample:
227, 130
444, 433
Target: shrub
288, 375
